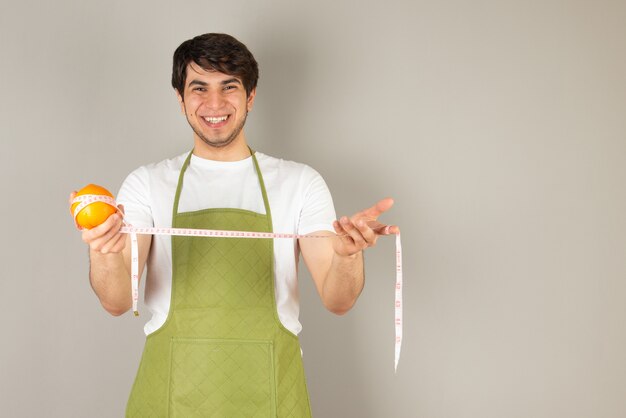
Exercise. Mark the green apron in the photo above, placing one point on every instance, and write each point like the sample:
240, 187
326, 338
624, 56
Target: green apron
222, 351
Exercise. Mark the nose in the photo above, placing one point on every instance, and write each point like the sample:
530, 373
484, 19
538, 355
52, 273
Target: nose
213, 100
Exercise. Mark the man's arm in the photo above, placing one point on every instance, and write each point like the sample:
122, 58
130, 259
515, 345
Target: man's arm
109, 267
336, 264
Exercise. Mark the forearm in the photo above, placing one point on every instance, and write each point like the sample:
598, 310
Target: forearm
344, 283
336, 264
110, 280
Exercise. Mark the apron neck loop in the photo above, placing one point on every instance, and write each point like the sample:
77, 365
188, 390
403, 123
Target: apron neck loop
179, 187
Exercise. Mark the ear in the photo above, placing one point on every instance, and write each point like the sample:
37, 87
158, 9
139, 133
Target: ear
181, 102
250, 100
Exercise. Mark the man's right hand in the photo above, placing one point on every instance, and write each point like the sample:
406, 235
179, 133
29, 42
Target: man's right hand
106, 237
109, 266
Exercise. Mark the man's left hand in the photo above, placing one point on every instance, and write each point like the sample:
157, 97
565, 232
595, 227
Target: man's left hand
361, 230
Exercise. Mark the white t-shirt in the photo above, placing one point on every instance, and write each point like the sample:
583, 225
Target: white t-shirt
299, 200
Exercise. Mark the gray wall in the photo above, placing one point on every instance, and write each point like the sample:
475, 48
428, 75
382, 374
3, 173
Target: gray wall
498, 126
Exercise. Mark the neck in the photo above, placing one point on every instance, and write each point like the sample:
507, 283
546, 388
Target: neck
235, 151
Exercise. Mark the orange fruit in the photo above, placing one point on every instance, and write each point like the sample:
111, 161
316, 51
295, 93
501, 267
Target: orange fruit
94, 213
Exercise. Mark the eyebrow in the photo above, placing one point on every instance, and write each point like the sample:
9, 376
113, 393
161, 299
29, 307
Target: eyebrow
231, 80
197, 83
204, 84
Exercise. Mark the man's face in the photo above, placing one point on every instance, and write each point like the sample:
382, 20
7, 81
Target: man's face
215, 105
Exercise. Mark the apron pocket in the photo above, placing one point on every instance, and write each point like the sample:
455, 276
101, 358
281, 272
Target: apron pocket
221, 378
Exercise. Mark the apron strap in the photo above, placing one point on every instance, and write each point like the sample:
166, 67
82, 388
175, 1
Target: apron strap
179, 187
266, 201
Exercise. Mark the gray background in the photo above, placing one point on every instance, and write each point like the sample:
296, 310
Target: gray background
498, 126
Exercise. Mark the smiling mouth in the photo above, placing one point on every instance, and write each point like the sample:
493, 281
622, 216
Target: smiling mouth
216, 121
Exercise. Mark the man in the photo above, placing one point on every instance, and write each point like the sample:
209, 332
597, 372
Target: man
222, 340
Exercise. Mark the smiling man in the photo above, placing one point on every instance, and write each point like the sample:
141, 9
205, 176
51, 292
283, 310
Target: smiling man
222, 339
214, 105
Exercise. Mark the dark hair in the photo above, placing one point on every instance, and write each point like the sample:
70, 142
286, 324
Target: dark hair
215, 52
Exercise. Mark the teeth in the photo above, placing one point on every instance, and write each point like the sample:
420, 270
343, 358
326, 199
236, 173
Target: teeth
215, 120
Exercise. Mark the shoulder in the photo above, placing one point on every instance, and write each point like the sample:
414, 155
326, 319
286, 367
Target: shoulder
146, 177
157, 170
299, 187
166, 166
286, 170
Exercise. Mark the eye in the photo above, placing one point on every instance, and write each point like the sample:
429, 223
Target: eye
230, 87
199, 89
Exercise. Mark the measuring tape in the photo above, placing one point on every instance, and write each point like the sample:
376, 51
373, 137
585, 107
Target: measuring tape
87, 199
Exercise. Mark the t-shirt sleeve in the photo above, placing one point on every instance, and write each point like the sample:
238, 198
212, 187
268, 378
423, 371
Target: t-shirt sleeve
318, 211
134, 195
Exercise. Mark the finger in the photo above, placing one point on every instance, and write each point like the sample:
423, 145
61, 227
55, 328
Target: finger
96, 237
366, 232
115, 245
115, 224
353, 232
104, 244
343, 244
386, 229
338, 229
378, 209
341, 233
376, 226
112, 223
122, 242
